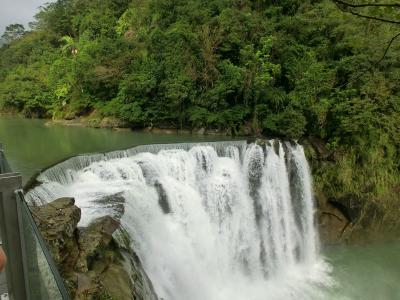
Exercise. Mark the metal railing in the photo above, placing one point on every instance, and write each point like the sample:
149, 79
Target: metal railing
31, 272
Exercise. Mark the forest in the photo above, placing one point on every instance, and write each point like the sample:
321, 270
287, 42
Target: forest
290, 68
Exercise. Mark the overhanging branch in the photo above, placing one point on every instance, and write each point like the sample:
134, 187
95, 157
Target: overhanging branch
373, 18
367, 4
349, 8
389, 44
387, 48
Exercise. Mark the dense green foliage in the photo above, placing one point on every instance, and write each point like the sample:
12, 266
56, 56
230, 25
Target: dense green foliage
278, 68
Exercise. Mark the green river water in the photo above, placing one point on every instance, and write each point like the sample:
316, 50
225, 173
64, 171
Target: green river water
360, 273
31, 145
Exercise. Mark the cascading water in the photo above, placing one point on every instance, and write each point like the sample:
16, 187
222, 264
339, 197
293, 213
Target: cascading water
213, 221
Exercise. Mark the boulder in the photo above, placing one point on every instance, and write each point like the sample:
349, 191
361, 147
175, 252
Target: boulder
94, 240
90, 260
57, 221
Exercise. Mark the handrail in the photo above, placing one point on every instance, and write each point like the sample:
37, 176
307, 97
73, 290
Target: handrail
31, 271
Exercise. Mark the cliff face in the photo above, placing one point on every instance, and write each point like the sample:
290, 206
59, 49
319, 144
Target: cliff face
92, 262
351, 216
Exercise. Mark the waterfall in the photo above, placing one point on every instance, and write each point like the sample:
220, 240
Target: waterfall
212, 221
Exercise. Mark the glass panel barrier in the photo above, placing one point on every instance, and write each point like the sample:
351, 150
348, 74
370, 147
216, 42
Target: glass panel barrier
43, 279
31, 271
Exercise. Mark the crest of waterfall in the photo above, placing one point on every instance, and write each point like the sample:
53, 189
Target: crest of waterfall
212, 221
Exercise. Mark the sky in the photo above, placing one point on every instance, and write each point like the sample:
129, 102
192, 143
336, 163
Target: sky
18, 11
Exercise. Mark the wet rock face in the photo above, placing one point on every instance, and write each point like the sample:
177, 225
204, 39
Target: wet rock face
349, 220
57, 222
349, 217
90, 260
94, 241
332, 223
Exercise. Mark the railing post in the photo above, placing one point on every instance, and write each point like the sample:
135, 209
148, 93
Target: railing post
4, 167
11, 231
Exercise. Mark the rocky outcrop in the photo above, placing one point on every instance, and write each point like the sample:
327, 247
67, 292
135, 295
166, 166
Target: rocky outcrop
342, 223
93, 263
349, 217
58, 222
332, 222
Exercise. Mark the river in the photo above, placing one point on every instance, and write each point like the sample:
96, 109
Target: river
32, 144
367, 272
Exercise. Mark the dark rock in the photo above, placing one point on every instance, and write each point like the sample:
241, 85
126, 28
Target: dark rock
162, 197
320, 148
116, 202
332, 225
276, 146
93, 241
350, 205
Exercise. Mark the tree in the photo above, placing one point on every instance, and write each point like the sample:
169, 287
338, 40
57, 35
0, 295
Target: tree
69, 45
13, 32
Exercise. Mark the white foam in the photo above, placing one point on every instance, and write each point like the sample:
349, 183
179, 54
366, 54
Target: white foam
240, 221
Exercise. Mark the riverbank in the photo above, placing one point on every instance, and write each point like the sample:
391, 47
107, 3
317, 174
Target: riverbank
93, 120
118, 125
